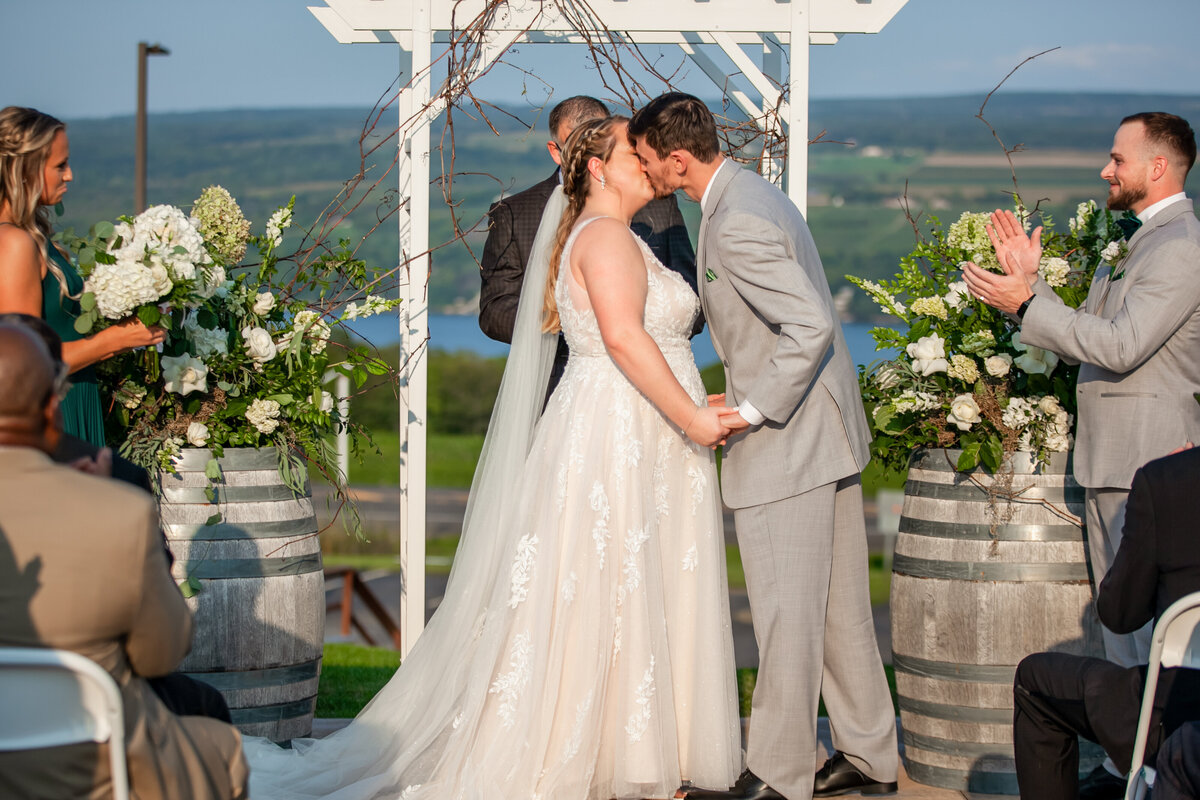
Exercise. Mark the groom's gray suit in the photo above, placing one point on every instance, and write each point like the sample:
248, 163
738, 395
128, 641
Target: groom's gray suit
1137, 339
793, 483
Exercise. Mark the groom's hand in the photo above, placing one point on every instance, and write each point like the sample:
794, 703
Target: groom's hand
733, 420
716, 399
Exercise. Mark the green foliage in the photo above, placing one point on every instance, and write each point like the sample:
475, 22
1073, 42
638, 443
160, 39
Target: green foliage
964, 379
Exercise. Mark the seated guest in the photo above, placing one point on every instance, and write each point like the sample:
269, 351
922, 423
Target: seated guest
1058, 697
82, 568
1178, 765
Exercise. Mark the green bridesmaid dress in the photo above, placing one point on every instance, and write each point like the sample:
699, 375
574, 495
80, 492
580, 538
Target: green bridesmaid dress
82, 414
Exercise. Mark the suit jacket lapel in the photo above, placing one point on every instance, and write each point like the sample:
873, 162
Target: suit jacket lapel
1160, 219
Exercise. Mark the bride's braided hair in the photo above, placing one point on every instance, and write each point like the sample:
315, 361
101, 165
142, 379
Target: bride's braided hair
592, 139
25, 138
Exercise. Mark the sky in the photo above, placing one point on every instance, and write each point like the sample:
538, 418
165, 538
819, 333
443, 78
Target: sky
77, 58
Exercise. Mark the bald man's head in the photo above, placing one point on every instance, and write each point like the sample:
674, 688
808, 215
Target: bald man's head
26, 382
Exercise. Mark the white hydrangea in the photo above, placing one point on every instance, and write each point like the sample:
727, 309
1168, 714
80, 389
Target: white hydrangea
206, 342
911, 400
1054, 270
121, 287
168, 235
263, 415
1019, 413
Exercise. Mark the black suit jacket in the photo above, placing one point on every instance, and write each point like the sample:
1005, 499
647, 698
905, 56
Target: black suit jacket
512, 226
1157, 563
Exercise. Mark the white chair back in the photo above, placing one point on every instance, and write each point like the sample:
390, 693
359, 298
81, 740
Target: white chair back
1176, 643
50, 698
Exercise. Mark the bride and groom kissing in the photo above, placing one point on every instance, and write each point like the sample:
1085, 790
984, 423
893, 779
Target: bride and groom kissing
583, 648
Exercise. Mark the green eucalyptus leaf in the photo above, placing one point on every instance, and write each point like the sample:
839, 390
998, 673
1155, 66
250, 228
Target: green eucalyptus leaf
83, 324
104, 229
212, 470
210, 493
87, 301
213, 520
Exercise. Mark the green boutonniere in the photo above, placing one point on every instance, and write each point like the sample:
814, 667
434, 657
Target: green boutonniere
709, 275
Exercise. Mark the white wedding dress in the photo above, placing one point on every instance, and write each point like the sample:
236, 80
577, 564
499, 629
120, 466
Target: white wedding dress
596, 660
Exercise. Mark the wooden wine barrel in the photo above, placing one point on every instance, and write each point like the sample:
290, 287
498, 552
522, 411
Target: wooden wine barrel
979, 582
260, 616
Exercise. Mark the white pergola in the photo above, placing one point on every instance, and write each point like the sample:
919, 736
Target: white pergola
719, 36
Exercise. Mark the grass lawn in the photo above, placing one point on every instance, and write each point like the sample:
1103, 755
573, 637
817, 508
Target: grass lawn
351, 675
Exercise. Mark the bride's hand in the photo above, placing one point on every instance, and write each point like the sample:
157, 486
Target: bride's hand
706, 428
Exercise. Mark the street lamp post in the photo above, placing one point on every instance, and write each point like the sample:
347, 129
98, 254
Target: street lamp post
139, 166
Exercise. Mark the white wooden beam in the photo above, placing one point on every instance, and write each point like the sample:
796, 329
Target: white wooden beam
797, 118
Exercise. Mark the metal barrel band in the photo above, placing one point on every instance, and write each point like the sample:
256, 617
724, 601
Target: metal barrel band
230, 494
926, 708
1023, 572
949, 671
976, 780
939, 460
224, 531
218, 568
976, 531
970, 493
236, 459
235, 680
273, 712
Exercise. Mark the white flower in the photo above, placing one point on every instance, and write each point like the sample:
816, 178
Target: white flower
1033, 360
911, 400
316, 328
1054, 271
963, 368
162, 281
928, 354
324, 402
184, 374
1049, 406
1112, 251
206, 342
131, 394
263, 303
259, 345
279, 221
263, 415
121, 287
197, 434
998, 365
887, 377
1018, 413
957, 296
964, 412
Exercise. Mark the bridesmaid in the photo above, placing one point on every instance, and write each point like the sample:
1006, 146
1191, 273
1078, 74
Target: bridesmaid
36, 277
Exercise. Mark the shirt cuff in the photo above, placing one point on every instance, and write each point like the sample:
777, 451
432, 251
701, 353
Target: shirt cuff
751, 414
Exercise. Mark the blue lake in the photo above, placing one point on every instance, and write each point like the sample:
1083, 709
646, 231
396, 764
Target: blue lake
452, 332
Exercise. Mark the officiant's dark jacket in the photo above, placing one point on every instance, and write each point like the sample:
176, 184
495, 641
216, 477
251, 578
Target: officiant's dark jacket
1158, 563
512, 226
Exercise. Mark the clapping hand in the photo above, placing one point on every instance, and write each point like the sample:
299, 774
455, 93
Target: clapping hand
1019, 256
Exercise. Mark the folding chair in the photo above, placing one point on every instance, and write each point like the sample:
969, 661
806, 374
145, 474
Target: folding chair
50, 698
1176, 643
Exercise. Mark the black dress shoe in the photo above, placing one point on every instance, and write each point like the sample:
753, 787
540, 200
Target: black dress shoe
1100, 784
839, 776
748, 787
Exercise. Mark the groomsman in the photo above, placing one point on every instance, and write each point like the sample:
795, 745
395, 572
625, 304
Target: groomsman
513, 223
1136, 338
791, 471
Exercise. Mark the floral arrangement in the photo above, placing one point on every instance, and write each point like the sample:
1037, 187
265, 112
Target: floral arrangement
963, 378
248, 348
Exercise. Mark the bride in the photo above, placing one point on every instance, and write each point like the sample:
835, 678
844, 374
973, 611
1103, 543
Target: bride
583, 649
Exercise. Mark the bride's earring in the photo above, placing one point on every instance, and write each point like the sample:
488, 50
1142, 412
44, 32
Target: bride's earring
603, 182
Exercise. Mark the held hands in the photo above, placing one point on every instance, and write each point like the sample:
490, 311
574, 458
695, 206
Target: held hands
1019, 256
707, 427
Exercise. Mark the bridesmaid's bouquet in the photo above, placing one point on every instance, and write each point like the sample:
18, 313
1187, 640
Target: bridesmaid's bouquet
250, 346
964, 379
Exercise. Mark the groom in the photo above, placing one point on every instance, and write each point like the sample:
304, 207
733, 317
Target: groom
791, 472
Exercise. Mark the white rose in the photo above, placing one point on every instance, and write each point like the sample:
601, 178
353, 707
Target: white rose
1112, 252
197, 434
928, 354
263, 303
1049, 406
964, 412
998, 365
162, 281
259, 345
184, 374
325, 403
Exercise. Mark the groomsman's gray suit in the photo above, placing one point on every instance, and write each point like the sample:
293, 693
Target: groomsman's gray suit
1137, 339
793, 483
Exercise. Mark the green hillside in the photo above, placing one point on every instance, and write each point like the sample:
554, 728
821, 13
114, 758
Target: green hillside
933, 149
